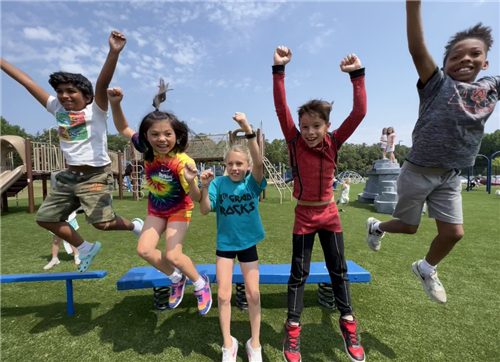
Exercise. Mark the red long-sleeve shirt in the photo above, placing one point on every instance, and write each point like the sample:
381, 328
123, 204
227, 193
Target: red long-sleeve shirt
313, 168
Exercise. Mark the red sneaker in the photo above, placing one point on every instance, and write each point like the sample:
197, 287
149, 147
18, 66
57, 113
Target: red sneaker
353, 347
291, 343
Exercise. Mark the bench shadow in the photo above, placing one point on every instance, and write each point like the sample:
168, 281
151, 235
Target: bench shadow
132, 324
54, 315
152, 332
359, 205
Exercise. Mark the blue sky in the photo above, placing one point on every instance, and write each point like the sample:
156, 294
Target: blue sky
217, 57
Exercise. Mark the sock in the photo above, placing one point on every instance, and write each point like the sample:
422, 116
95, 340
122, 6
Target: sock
349, 318
295, 324
85, 248
199, 284
137, 228
376, 227
55, 259
426, 268
176, 276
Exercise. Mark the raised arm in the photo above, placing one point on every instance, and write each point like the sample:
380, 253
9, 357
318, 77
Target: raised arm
422, 59
190, 173
253, 146
116, 43
282, 56
352, 65
25, 80
115, 97
205, 203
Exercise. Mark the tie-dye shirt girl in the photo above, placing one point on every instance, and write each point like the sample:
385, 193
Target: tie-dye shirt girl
168, 189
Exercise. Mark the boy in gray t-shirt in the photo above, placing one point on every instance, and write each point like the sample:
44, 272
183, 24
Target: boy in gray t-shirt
454, 108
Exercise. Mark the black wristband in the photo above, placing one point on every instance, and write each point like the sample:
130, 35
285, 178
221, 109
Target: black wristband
357, 73
250, 136
278, 69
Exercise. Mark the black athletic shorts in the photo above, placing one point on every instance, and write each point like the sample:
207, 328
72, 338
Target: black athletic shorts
244, 256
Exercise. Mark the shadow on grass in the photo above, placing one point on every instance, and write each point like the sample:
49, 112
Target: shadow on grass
13, 210
54, 315
359, 205
132, 325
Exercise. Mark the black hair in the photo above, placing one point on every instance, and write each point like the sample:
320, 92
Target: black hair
478, 31
180, 128
77, 80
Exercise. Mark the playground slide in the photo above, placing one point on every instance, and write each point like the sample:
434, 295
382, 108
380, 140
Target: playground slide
8, 178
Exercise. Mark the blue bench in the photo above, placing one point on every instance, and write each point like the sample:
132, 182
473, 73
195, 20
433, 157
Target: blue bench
68, 277
149, 277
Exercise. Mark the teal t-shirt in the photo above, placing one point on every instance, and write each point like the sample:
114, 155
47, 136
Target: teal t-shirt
238, 220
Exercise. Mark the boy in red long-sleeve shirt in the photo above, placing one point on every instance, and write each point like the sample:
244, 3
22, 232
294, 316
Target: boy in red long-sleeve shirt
313, 155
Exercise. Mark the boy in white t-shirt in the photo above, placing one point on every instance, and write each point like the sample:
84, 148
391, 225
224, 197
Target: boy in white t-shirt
88, 182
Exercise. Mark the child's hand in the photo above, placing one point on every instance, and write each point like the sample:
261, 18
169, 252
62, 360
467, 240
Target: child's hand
350, 63
241, 119
282, 56
117, 41
190, 172
115, 95
206, 177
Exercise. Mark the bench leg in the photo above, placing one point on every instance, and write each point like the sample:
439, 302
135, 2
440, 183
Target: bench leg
161, 296
325, 296
69, 297
241, 297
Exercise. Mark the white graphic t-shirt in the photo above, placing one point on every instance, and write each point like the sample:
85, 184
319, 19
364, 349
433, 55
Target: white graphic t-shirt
83, 134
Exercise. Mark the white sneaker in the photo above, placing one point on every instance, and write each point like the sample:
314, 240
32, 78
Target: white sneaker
138, 224
431, 283
254, 355
229, 355
373, 237
77, 260
52, 263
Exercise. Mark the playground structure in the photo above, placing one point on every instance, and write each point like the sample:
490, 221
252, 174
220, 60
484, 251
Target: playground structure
489, 175
381, 188
355, 177
207, 149
37, 161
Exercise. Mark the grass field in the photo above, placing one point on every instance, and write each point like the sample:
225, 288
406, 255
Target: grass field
397, 321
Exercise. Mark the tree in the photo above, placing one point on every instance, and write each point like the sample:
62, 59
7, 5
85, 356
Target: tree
116, 142
13, 130
276, 151
490, 143
44, 136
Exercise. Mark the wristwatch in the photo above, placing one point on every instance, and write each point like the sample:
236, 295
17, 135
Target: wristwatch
250, 136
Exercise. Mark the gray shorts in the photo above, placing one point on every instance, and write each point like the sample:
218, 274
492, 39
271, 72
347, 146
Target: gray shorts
439, 187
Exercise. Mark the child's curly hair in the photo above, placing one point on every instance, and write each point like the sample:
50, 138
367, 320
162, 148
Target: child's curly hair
478, 31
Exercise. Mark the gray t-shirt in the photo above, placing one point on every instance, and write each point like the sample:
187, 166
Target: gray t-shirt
451, 120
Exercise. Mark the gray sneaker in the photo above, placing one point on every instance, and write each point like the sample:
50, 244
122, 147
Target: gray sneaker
431, 283
373, 237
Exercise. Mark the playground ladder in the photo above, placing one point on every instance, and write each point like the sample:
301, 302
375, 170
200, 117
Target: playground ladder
279, 183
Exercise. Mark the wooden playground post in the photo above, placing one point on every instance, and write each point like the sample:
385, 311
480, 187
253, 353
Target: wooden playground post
135, 169
29, 175
120, 175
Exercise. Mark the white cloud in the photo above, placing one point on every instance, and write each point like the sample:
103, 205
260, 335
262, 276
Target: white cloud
101, 13
40, 33
123, 17
320, 41
237, 15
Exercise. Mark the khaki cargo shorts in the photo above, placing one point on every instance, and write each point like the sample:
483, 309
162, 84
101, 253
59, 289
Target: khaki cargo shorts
439, 187
90, 189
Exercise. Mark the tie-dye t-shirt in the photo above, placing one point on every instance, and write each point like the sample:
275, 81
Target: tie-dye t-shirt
168, 189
